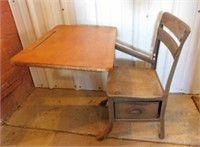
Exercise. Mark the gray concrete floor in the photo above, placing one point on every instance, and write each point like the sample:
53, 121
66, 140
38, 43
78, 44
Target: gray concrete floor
24, 136
17, 136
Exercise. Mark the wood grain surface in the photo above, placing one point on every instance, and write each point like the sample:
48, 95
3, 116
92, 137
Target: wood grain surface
72, 47
134, 83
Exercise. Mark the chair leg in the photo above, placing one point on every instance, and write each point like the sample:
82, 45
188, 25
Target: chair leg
103, 134
162, 129
109, 127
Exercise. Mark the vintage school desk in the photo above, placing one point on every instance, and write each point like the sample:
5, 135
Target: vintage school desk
89, 48
77, 47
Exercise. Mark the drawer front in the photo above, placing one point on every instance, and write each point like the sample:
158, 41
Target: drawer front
136, 110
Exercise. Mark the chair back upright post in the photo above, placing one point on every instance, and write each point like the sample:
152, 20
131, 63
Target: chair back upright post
181, 31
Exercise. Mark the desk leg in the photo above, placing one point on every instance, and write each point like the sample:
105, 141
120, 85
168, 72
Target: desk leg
109, 127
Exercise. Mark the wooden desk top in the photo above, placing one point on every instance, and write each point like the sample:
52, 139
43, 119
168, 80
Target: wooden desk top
71, 47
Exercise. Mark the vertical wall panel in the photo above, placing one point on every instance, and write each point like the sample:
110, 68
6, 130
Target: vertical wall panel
27, 35
37, 17
140, 20
103, 9
156, 8
51, 10
59, 78
191, 78
23, 21
68, 11
165, 59
88, 80
125, 31
140, 27
85, 11
39, 77
185, 10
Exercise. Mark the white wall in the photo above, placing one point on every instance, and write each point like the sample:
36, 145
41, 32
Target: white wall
135, 21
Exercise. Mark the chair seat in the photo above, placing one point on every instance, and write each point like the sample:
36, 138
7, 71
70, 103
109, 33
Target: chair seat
135, 83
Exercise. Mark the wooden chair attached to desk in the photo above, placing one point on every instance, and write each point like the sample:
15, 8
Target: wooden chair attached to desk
136, 94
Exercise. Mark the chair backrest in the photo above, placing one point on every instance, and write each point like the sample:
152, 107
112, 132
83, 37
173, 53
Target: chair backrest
180, 31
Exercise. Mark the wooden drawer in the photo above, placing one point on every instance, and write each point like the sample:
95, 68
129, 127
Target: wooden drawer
136, 110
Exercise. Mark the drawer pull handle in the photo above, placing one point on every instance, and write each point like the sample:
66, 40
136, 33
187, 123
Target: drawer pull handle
136, 111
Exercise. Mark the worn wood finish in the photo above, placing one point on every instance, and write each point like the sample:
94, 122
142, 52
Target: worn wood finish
168, 41
134, 83
136, 110
72, 47
102, 135
137, 93
177, 26
10, 80
185, 31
